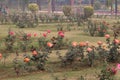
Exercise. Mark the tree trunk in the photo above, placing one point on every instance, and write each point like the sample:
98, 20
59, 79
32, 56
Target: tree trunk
18, 3
53, 5
23, 5
1, 4
116, 9
72, 4
111, 8
92, 3
39, 4
49, 6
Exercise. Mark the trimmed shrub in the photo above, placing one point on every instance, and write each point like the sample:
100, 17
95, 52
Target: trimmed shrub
88, 11
33, 7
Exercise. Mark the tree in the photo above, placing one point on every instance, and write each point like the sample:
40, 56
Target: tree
1, 3
97, 5
24, 4
116, 7
109, 3
38, 2
92, 2
72, 4
51, 5
18, 4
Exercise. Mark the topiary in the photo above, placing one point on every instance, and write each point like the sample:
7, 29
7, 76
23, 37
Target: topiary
33, 7
88, 11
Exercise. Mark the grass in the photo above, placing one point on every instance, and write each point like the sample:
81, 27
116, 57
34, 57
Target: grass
7, 72
48, 76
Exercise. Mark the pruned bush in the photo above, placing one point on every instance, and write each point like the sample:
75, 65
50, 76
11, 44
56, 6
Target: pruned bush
88, 11
33, 7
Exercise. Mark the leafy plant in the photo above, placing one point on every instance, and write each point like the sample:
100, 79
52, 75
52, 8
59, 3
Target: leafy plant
97, 5
10, 40
113, 50
90, 56
97, 28
102, 29
92, 27
107, 73
39, 58
18, 64
24, 41
75, 52
26, 20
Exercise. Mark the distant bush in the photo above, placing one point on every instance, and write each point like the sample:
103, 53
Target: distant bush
33, 7
67, 10
88, 11
25, 20
97, 5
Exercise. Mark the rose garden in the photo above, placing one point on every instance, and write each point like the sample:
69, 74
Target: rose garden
68, 46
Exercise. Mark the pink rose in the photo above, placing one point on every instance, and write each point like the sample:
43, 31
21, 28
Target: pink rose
118, 66
107, 36
99, 43
44, 34
61, 34
116, 41
12, 33
35, 34
29, 35
89, 49
48, 31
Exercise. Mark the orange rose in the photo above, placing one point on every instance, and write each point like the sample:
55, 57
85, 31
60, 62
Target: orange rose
0, 55
99, 43
26, 60
116, 41
89, 49
34, 53
74, 44
107, 36
82, 44
49, 44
